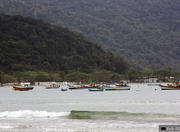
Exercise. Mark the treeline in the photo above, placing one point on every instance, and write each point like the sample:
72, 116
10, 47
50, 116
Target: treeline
164, 74
41, 76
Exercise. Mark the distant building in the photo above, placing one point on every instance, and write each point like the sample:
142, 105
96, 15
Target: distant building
151, 80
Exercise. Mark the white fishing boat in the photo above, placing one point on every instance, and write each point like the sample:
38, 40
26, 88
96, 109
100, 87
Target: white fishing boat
23, 87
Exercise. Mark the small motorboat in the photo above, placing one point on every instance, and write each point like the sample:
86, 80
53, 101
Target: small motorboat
174, 86
100, 89
23, 88
169, 86
64, 88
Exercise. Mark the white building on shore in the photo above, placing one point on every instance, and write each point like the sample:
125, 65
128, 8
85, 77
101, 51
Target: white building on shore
151, 80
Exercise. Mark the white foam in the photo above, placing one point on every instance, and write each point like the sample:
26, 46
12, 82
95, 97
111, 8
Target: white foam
6, 127
32, 114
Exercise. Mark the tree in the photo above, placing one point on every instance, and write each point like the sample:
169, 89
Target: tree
42, 76
147, 72
77, 76
1, 77
8, 78
56, 76
133, 74
102, 75
164, 72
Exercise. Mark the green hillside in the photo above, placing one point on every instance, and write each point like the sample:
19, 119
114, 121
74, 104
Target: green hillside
27, 44
146, 32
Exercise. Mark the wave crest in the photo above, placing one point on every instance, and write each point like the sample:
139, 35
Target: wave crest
32, 114
107, 115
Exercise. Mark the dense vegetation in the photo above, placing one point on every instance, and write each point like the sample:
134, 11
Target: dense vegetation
146, 32
32, 76
33, 45
163, 74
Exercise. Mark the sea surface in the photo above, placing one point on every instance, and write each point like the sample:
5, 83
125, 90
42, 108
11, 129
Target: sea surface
142, 109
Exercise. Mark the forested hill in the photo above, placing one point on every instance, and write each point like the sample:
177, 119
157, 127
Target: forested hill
28, 44
146, 32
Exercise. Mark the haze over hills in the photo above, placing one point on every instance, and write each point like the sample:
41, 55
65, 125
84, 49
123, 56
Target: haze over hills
28, 44
146, 32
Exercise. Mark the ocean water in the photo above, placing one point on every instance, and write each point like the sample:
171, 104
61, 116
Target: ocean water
142, 109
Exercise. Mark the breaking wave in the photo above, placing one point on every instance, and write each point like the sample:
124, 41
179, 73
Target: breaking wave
32, 114
106, 115
91, 115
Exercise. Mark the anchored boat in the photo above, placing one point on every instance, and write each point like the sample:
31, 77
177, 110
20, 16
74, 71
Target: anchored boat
174, 86
64, 88
24, 87
99, 89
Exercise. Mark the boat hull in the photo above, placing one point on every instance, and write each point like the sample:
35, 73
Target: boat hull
76, 88
64, 90
114, 89
81, 88
95, 90
52, 87
23, 88
166, 88
169, 86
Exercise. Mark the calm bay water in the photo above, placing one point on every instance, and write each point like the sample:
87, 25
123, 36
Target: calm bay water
141, 109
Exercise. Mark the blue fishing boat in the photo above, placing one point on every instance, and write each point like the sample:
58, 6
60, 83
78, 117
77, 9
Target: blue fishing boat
64, 88
99, 89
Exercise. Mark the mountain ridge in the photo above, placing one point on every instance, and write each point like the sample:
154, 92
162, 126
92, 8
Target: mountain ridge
144, 32
29, 44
